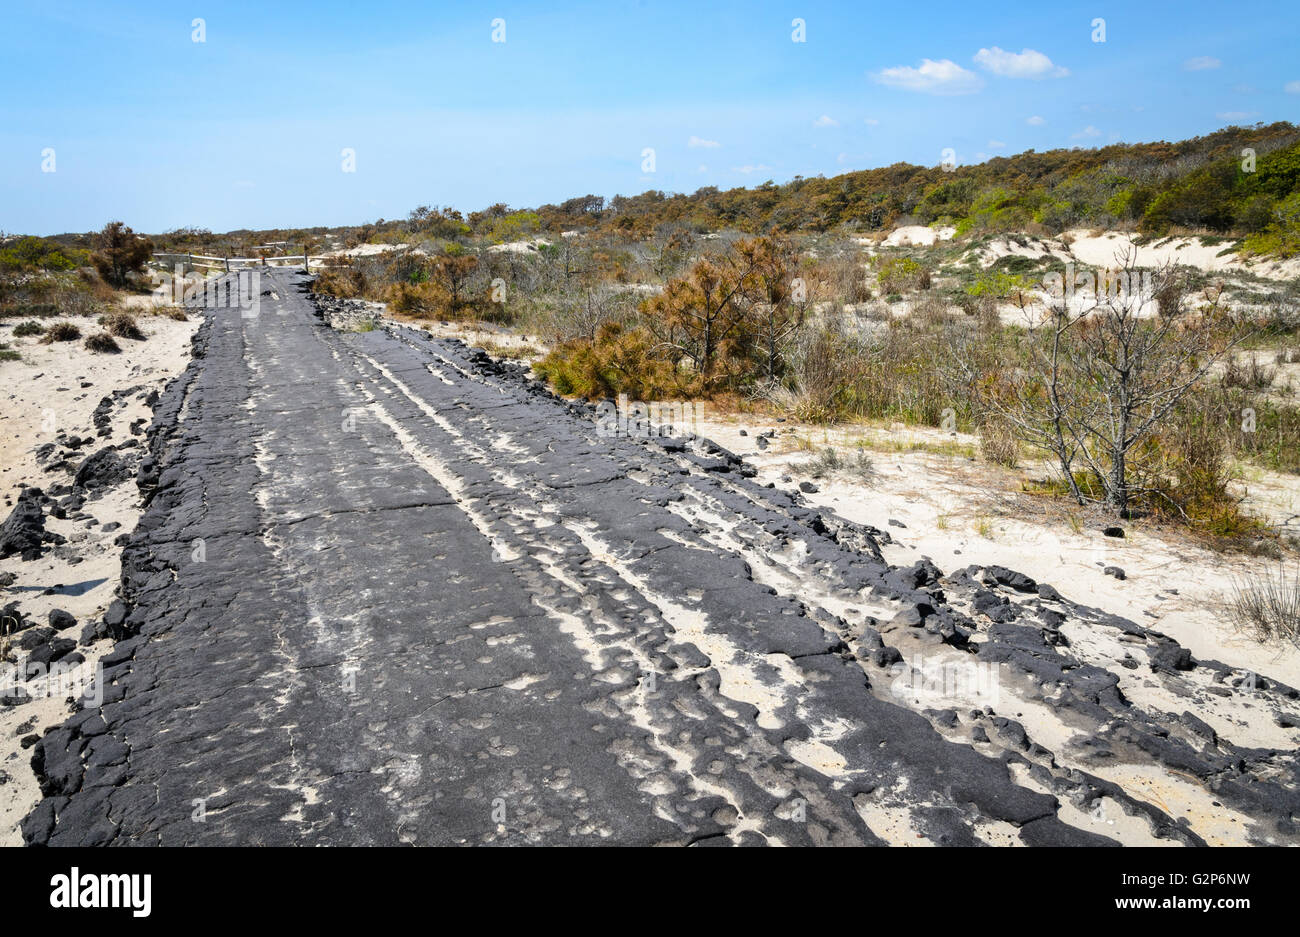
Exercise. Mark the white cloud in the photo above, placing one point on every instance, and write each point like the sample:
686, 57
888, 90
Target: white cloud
1028, 63
700, 141
826, 121
1292, 87
702, 168
870, 121
942, 77
1088, 131
747, 169
1234, 115
1201, 63
1035, 121
996, 145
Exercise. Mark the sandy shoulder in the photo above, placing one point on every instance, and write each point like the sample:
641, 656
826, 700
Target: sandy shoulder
54, 390
952, 515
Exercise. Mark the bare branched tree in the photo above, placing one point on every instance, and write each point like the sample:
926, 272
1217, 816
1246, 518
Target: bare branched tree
1109, 364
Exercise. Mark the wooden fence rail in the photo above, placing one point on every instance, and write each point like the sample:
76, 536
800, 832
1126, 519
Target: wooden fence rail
167, 259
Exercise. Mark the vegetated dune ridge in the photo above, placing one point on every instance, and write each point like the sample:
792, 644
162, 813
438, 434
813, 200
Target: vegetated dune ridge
625, 640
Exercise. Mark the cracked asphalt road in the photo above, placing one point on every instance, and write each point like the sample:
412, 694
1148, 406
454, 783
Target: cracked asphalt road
388, 591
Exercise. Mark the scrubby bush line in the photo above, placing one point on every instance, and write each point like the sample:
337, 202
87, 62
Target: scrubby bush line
1203, 184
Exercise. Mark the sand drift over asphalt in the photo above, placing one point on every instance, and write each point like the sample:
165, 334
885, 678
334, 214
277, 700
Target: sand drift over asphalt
435, 607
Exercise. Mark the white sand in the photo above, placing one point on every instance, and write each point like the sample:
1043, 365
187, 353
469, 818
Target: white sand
1033, 248
918, 235
525, 246
1100, 251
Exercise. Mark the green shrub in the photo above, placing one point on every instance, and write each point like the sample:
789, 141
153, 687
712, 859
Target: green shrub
1282, 236
618, 361
997, 284
33, 253
120, 253
899, 274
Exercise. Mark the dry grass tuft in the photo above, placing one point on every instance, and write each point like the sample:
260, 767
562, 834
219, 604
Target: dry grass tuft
829, 462
1267, 606
102, 342
122, 324
61, 332
998, 442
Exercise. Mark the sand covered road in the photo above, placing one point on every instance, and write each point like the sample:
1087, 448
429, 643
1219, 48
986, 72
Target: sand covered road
389, 591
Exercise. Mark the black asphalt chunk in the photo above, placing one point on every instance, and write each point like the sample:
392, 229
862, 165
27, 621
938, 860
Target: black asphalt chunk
23, 532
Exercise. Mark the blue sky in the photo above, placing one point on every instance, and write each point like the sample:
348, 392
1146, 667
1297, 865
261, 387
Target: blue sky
248, 128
